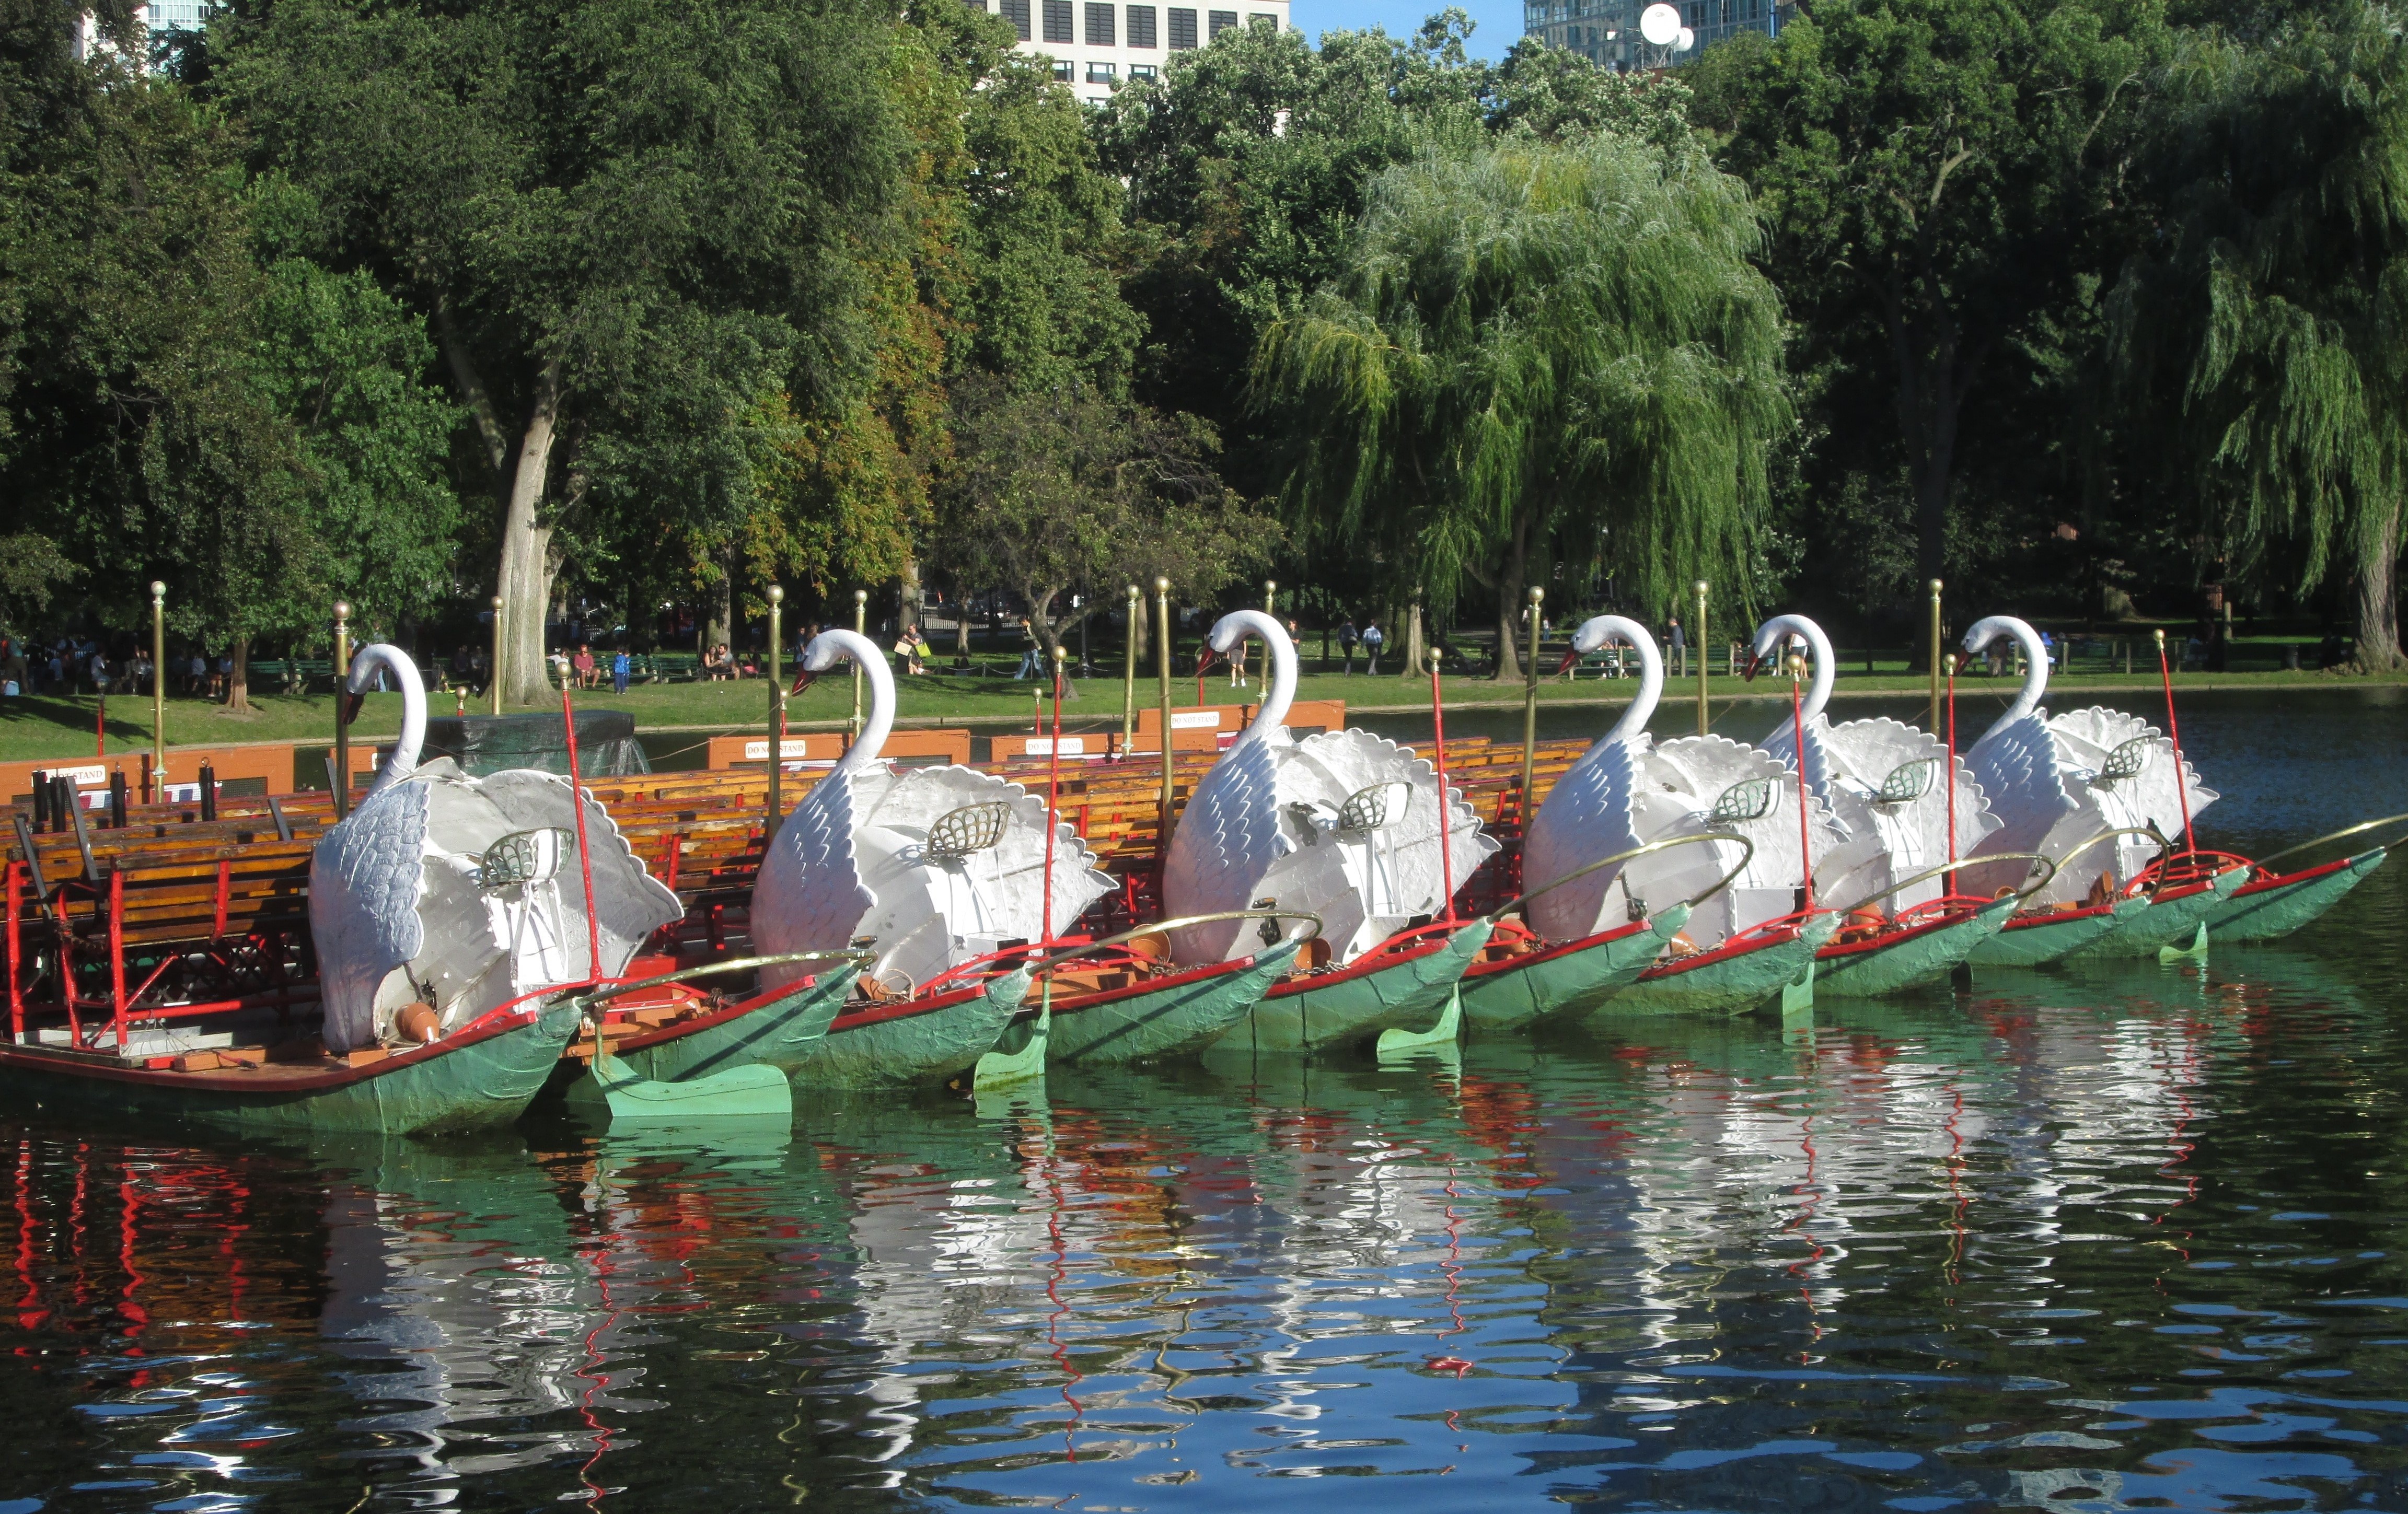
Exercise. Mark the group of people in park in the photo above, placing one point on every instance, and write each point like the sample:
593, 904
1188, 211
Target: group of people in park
73, 665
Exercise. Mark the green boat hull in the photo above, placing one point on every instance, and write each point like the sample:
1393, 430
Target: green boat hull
2279, 911
2165, 923
783, 1034
1567, 984
1316, 1016
2035, 945
485, 1083
916, 1047
1919, 960
1730, 986
1166, 1022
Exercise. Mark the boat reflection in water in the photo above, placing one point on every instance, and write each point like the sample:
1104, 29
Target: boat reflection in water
2088, 1239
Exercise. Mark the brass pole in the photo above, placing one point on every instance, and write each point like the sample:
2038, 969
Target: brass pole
777, 711
1700, 638
860, 624
1128, 672
493, 670
1162, 667
342, 698
158, 690
1530, 708
1935, 654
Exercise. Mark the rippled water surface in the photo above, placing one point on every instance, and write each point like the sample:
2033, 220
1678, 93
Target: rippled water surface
2079, 1240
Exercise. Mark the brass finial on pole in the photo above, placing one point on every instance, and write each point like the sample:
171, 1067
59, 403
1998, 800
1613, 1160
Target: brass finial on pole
158, 690
1128, 671
342, 774
1162, 669
1702, 722
493, 672
860, 624
1934, 586
777, 714
1530, 708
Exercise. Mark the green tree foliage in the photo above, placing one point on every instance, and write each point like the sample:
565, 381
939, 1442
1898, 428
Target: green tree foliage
1536, 340
627, 221
1942, 180
1073, 491
2262, 336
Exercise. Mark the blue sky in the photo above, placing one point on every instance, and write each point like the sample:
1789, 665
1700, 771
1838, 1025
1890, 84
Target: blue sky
1499, 21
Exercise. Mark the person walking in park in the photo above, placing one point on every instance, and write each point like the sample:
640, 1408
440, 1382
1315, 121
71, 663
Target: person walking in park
1373, 639
1676, 641
621, 667
1032, 661
1347, 639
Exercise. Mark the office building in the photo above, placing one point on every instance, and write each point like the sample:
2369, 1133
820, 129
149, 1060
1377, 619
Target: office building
1607, 31
1096, 45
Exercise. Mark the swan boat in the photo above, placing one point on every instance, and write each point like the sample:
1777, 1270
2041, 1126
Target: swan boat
1884, 782
1744, 938
452, 968
2096, 792
1342, 827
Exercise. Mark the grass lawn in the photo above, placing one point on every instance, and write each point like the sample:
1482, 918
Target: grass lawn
34, 729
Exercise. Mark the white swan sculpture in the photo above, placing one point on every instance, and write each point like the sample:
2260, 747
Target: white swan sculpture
1341, 825
462, 892
1630, 789
2057, 781
1881, 778
936, 866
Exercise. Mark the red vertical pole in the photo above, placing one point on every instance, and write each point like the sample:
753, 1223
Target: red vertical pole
2173, 732
1798, 739
117, 950
1445, 811
1952, 775
1052, 792
225, 894
16, 987
584, 861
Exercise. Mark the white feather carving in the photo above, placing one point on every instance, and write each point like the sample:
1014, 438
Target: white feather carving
1268, 822
852, 860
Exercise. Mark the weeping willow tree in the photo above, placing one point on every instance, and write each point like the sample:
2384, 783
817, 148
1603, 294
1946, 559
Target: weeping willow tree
1530, 343
2264, 347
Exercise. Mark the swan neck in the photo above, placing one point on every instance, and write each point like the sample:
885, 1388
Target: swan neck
1633, 724
878, 719
1279, 684
403, 760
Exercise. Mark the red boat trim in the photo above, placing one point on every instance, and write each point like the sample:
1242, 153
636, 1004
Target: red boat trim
43, 1058
1832, 951
2032, 921
1739, 946
1531, 959
1072, 1003
878, 1014
1387, 956
2284, 880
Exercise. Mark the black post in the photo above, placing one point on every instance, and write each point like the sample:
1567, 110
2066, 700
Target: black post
41, 798
117, 798
209, 793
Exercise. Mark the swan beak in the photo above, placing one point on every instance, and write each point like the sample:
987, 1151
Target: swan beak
1203, 660
802, 681
351, 702
1566, 666
1754, 666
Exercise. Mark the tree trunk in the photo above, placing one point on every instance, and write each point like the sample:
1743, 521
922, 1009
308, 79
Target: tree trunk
1414, 662
1511, 601
721, 629
238, 681
907, 611
526, 553
2378, 603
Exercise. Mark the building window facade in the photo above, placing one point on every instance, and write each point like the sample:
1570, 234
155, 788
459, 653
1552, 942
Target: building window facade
1102, 33
1262, 19
1138, 71
1219, 22
1101, 73
1057, 20
1182, 29
1063, 71
1016, 12
1140, 26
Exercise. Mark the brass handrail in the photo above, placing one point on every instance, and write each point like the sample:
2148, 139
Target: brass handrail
1163, 927
730, 966
2352, 830
1665, 844
1959, 866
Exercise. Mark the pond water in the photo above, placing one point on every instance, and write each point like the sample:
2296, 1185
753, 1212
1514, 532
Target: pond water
2122, 1237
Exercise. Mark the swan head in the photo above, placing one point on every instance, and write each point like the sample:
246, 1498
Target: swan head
1991, 628
824, 652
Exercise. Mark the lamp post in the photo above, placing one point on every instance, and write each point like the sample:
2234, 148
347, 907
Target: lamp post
1128, 671
493, 672
1934, 586
1702, 656
777, 715
860, 624
158, 690
1162, 667
342, 774
1530, 708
